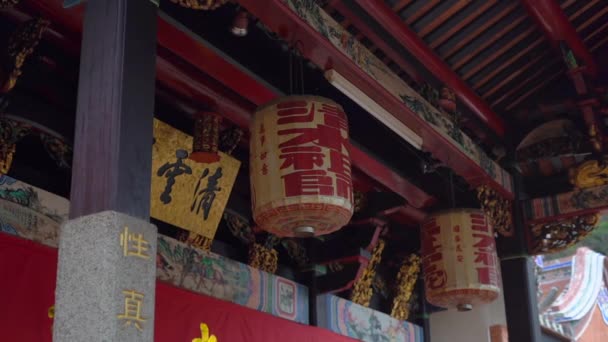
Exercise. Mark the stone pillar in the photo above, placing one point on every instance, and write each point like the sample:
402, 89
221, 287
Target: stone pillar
106, 271
107, 274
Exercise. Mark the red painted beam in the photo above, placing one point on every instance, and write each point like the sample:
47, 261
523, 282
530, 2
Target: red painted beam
279, 18
551, 19
186, 79
393, 24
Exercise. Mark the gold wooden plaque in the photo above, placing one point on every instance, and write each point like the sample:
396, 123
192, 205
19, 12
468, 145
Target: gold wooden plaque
187, 194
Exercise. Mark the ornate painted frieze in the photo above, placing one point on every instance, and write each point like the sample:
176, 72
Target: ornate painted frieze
323, 23
349, 319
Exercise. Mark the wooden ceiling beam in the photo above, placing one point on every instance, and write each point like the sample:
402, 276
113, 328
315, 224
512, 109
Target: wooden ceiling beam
481, 29
495, 37
462, 24
443, 17
507, 63
550, 17
422, 11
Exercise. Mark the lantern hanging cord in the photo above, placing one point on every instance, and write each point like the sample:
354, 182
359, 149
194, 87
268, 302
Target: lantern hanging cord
290, 71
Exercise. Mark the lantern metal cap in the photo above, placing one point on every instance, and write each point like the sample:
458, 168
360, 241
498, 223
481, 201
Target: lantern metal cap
304, 232
464, 307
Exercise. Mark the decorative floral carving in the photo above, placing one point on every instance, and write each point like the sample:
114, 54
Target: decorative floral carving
5, 4
497, 208
406, 280
262, 258
195, 240
362, 290
556, 236
360, 201
10, 133
589, 174
21, 44
205, 5
295, 251
239, 227
58, 149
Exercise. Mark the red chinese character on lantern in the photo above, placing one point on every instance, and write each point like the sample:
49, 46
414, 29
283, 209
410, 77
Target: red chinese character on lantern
262, 139
312, 182
263, 155
456, 229
334, 117
460, 258
340, 165
301, 157
262, 129
459, 248
295, 111
264, 169
457, 238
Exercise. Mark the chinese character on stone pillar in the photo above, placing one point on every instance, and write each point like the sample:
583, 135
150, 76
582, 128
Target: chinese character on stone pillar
106, 279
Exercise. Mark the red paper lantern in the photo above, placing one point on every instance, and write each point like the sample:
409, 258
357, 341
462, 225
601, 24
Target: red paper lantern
300, 167
459, 259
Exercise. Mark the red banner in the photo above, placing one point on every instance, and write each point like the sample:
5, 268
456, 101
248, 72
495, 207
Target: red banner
27, 283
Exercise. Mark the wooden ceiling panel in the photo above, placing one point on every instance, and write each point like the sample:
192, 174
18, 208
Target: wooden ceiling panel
494, 45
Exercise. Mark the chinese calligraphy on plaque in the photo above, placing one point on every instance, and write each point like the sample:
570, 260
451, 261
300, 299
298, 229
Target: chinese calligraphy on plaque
185, 193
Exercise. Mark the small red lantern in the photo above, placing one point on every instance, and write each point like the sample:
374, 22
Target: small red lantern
206, 137
459, 259
300, 167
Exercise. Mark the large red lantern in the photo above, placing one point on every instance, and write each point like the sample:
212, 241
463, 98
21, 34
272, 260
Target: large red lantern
459, 259
300, 167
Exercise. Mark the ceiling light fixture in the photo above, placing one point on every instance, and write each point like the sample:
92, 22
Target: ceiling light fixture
373, 108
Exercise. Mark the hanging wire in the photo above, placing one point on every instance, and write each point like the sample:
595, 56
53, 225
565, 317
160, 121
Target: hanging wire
290, 71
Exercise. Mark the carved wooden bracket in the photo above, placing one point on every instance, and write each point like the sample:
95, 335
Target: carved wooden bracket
497, 208
589, 174
404, 287
21, 44
553, 237
205, 5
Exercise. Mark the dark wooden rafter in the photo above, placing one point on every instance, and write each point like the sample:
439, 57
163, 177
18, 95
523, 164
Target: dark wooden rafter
523, 52
595, 32
427, 7
462, 24
532, 90
512, 75
592, 20
443, 17
478, 31
401, 4
526, 82
499, 52
498, 35
582, 10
